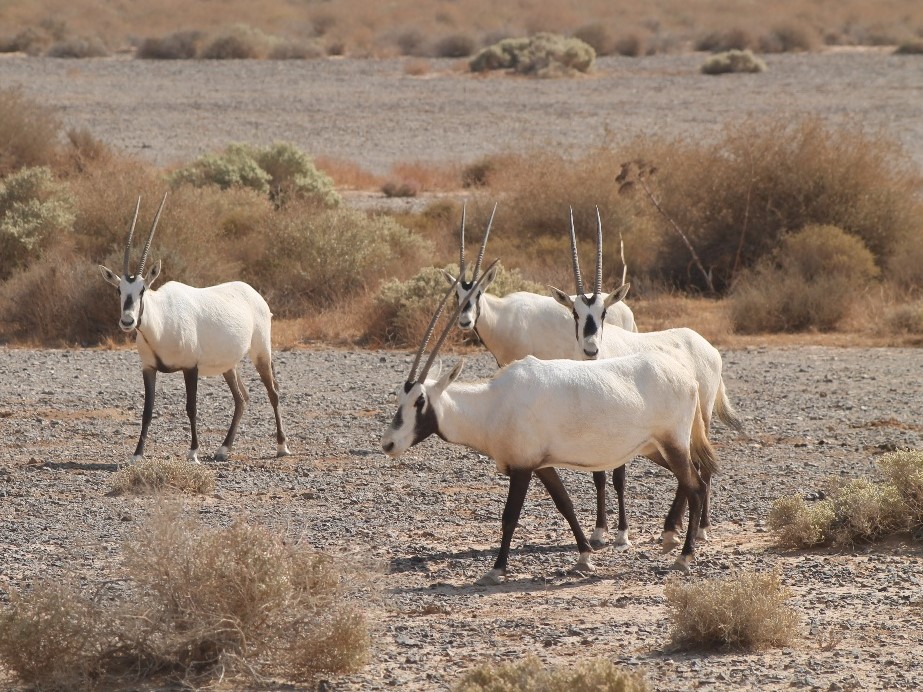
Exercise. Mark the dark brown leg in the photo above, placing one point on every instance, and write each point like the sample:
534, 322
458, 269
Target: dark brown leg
601, 531
192, 385
552, 482
264, 368
150, 379
240, 400
618, 482
519, 486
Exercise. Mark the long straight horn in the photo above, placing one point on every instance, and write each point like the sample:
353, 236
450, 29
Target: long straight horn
451, 322
430, 328
599, 254
150, 237
131, 234
461, 258
622, 253
573, 248
477, 265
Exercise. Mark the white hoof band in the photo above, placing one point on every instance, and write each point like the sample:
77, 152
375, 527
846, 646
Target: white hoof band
492, 578
683, 564
701, 534
222, 453
599, 537
192, 456
282, 450
621, 541
669, 540
584, 564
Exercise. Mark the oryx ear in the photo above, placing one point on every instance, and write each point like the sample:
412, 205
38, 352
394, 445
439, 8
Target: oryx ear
448, 378
110, 276
154, 275
562, 298
448, 277
489, 277
617, 295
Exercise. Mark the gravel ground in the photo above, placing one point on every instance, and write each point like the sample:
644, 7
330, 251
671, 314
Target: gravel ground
431, 518
372, 113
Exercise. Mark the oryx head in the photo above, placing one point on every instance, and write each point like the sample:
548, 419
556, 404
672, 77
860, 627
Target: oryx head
468, 299
419, 398
132, 286
589, 309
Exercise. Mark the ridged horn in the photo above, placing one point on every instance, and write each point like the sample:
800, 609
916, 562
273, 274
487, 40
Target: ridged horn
598, 288
477, 265
622, 254
573, 247
131, 234
461, 257
150, 237
430, 328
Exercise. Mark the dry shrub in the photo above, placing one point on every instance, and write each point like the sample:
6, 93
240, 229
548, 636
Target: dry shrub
904, 259
736, 38
296, 50
746, 611
400, 188
811, 281
180, 45
865, 512
905, 319
150, 476
904, 471
239, 42
798, 524
767, 178
347, 174
455, 46
531, 675
630, 45
428, 176
78, 47
733, 61
541, 55
199, 604
910, 47
28, 132
598, 36
789, 38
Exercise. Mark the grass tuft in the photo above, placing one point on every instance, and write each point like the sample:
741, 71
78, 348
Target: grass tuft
150, 476
746, 611
531, 675
733, 61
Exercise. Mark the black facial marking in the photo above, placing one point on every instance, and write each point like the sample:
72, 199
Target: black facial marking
129, 301
590, 328
425, 424
398, 420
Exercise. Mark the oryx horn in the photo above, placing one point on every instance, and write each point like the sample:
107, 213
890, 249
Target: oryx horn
131, 234
451, 322
430, 328
461, 258
599, 254
573, 248
622, 253
477, 265
150, 237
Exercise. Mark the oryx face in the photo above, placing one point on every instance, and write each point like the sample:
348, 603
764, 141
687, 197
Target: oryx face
589, 313
131, 294
414, 421
468, 296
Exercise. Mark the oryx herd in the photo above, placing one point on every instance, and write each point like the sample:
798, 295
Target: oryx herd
578, 386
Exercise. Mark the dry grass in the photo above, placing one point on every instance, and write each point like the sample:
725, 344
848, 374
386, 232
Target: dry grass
28, 132
746, 611
531, 675
150, 476
855, 512
196, 605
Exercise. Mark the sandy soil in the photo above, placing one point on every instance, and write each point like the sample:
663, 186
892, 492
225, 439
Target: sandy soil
431, 518
374, 114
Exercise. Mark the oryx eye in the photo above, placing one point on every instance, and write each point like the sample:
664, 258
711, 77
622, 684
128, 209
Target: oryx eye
420, 401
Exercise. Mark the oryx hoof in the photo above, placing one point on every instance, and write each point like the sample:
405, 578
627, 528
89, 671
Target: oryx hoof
192, 456
492, 578
584, 565
222, 453
282, 450
621, 541
683, 564
137, 458
668, 541
701, 534
600, 537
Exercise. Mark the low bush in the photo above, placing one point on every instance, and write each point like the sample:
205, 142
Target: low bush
239, 42
78, 47
865, 511
34, 210
811, 281
296, 50
904, 471
28, 132
402, 188
630, 45
150, 476
542, 55
281, 171
180, 45
531, 675
798, 524
911, 47
197, 605
906, 318
733, 61
790, 38
720, 41
598, 36
455, 46
746, 611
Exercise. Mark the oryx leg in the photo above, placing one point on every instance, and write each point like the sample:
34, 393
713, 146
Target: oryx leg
673, 524
621, 541
191, 376
519, 486
150, 378
552, 482
264, 368
240, 401
693, 490
601, 531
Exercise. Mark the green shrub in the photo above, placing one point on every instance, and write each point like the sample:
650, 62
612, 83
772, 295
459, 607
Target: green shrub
746, 611
733, 61
543, 55
281, 170
531, 675
180, 45
34, 209
402, 309
28, 132
810, 281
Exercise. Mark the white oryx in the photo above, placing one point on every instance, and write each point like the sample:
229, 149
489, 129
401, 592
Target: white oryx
529, 324
535, 415
688, 347
201, 331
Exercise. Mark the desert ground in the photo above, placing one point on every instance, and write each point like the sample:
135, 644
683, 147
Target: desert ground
430, 521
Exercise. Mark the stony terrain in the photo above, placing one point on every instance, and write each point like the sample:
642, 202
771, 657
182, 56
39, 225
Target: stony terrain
430, 520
